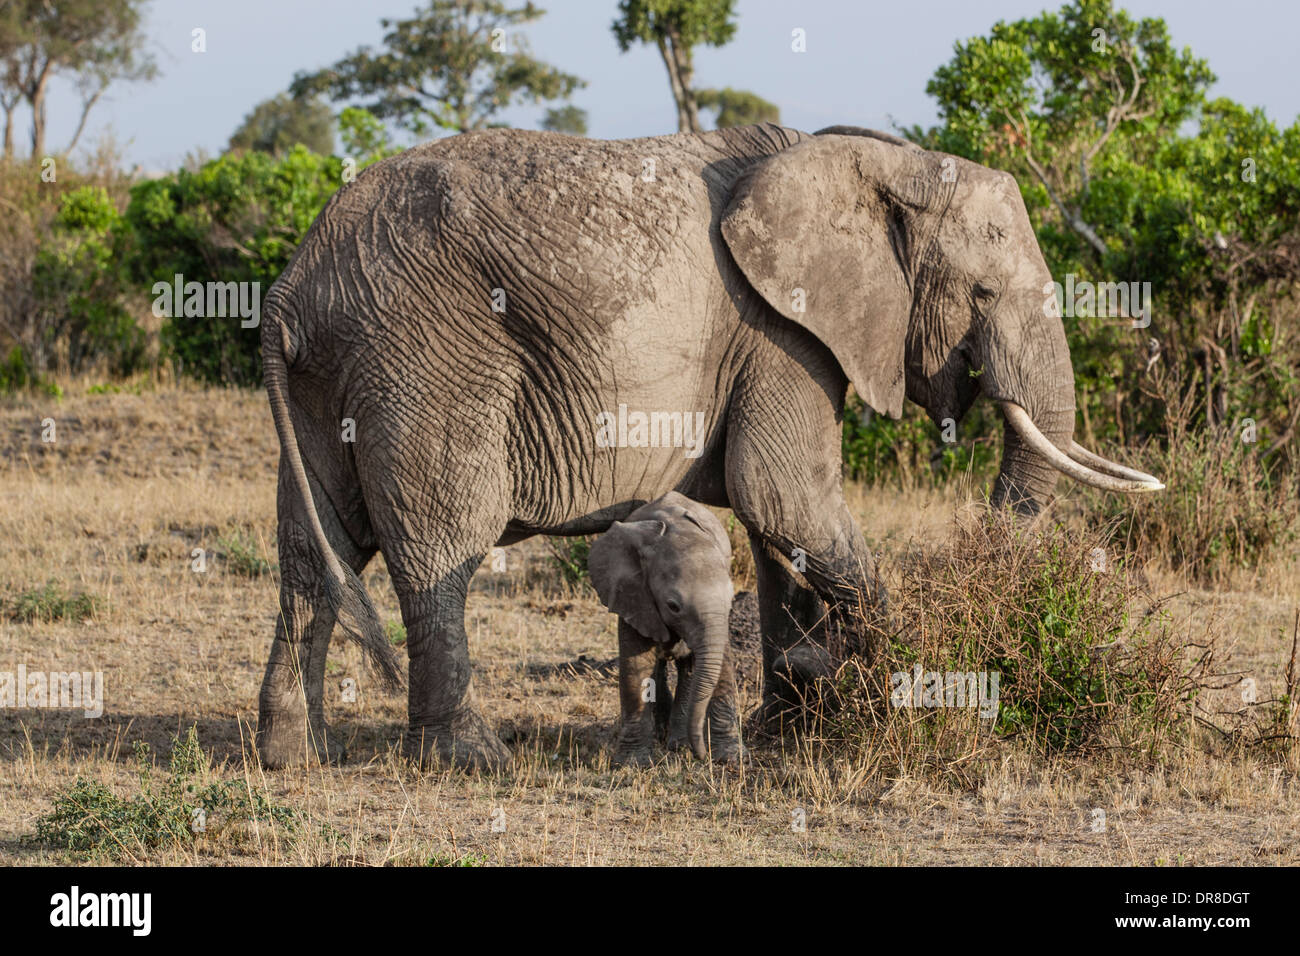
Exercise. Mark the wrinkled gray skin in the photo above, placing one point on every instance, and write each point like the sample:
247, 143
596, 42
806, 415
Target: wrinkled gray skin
747, 273
666, 572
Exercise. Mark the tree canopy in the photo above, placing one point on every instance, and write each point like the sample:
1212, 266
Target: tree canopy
738, 107
276, 125
676, 27
94, 43
454, 65
1129, 174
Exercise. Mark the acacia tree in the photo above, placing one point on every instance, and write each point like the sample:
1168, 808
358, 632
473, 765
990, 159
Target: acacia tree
454, 65
676, 27
93, 42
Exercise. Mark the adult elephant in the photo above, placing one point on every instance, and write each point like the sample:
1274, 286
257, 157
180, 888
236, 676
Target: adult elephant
447, 350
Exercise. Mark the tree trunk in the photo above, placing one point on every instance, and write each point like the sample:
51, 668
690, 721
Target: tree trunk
677, 60
9, 131
38, 117
686, 81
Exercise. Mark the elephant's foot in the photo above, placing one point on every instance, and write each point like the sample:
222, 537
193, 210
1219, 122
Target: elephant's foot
466, 742
287, 739
723, 748
639, 757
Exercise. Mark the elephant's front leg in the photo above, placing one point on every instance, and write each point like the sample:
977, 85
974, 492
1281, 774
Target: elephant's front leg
639, 688
808, 632
784, 483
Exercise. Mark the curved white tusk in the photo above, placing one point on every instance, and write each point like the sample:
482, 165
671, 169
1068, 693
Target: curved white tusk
1019, 419
1106, 466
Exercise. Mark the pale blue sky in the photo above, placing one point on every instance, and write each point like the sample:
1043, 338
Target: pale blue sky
867, 62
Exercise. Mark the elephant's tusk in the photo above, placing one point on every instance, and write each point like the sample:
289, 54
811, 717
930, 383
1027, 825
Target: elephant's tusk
1019, 419
1106, 466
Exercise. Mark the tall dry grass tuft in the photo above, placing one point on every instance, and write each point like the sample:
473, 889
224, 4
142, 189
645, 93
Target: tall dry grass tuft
1224, 510
1040, 638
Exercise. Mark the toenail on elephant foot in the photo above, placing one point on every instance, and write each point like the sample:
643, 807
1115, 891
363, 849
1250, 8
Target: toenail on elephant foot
468, 744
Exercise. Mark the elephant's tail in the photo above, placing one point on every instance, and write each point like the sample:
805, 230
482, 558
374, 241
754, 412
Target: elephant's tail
344, 591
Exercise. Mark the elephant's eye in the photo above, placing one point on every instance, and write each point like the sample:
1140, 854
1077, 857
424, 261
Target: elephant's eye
673, 605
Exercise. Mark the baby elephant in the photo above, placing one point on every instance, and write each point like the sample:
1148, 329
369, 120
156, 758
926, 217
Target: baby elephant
665, 572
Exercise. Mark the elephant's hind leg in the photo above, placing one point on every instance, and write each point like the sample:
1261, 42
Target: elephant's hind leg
291, 727
445, 723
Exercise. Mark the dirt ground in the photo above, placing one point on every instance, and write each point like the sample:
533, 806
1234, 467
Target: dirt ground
134, 483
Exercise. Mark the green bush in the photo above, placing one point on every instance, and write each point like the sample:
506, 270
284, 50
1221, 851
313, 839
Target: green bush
1086, 661
242, 555
182, 809
239, 218
909, 451
1223, 509
80, 285
570, 558
16, 374
53, 603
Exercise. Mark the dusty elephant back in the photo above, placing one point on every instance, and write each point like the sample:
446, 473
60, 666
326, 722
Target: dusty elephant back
542, 217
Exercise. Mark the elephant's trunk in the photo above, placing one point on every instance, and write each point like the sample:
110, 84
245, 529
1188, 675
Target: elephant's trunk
1031, 378
709, 650
1031, 368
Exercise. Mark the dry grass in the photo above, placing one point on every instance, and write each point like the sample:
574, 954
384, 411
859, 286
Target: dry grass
136, 483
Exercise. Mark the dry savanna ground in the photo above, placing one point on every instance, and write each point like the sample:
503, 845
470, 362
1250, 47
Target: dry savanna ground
134, 483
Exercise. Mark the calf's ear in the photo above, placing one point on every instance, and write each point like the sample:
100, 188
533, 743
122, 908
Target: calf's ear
616, 564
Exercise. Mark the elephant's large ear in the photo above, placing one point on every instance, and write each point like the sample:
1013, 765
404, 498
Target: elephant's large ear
616, 565
823, 231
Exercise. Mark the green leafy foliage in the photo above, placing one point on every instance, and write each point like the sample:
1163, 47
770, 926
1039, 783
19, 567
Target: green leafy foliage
277, 125
243, 556
737, 107
16, 374
689, 22
1129, 174
238, 218
454, 65
184, 809
566, 119
54, 603
570, 558
365, 138
675, 28
1085, 660
910, 451
81, 286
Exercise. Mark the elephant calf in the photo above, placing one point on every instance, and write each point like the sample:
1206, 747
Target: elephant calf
666, 573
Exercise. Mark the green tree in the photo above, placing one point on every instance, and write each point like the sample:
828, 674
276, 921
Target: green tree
566, 119
676, 27
280, 123
454, 65
238, 218
365, 137
738, 107
1129, 175
93, 42
80, 286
